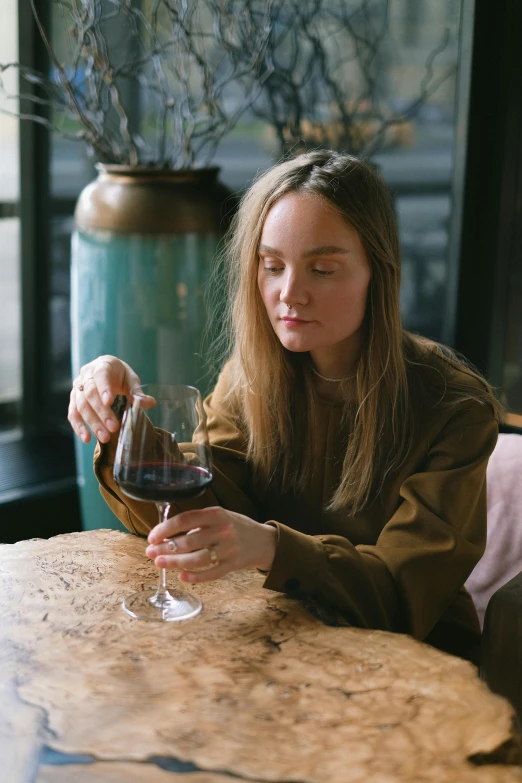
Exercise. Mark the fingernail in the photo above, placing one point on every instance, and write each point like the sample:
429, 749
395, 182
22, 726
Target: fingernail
84, 437
101, 435
106, 398
111, 425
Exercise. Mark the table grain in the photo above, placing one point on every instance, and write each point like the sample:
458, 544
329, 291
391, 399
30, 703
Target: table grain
255, 688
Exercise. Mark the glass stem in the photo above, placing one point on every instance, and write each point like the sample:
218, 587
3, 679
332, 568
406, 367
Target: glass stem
163, 512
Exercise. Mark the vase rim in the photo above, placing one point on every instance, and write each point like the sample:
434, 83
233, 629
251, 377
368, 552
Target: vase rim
156, 173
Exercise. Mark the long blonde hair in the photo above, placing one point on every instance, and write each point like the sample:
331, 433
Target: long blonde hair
274, 388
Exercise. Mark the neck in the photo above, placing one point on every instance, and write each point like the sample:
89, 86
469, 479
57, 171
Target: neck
335, 379
333, 368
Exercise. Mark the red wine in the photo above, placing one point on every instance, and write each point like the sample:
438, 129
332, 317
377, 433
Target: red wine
162, 482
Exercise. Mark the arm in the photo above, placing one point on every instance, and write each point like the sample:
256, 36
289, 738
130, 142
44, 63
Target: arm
425, 551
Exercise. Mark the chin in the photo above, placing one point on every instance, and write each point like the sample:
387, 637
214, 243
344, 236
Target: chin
296, 346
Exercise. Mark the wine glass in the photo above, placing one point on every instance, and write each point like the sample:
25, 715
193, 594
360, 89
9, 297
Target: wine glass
163, 455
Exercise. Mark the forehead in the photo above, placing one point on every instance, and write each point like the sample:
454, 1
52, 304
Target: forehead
302, 216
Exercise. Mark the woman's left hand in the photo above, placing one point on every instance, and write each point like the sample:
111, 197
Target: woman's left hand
210, 543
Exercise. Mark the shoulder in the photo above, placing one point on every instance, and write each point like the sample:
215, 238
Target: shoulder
223, 409
443, 386
441, 371
224, 391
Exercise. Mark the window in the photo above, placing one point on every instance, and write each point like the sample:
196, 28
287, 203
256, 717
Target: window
10, 289
416, 160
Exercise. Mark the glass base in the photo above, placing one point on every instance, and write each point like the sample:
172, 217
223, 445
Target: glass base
150, 605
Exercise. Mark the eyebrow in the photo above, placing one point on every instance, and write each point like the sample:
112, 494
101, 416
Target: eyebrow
324, 250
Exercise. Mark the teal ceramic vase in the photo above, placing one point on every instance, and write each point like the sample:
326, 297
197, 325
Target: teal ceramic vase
142, 248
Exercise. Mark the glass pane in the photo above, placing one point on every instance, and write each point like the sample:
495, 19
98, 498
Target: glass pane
9, 168
10, 315
414, 66
70, 169
418, 164
414, 79
59, 320
10, 291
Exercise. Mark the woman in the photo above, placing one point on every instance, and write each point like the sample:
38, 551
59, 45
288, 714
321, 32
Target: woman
362, 448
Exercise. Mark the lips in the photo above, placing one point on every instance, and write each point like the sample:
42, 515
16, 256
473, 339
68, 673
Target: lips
294, 321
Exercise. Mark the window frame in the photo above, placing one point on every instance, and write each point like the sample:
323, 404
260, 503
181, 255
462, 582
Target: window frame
35, 215
485, 193
491, 154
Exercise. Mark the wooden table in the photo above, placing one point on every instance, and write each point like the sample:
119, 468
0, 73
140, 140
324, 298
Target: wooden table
254, 689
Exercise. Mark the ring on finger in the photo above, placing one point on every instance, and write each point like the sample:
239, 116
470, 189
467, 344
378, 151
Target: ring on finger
172, 546
81, 387
213, 556
213, 560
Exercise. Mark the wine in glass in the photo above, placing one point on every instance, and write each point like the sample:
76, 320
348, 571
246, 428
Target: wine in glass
163, 456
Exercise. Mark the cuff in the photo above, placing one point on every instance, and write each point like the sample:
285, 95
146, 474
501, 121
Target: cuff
299, 562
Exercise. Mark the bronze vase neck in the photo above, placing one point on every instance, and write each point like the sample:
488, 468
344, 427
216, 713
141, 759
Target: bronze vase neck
145, 200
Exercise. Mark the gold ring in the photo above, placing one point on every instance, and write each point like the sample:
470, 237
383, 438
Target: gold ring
82, 385
213, 556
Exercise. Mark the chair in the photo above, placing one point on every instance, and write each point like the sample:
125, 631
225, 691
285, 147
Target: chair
496, 582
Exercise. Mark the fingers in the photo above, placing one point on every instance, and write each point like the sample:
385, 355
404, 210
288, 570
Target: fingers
93, 412
203, 548
212, 516
200, 565
194, 561
208, 575
109, 379
181, 544
93, 391
76, 420
112, 377
208, 543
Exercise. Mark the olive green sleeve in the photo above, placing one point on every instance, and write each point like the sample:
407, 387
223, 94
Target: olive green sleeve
229, 490
425, 552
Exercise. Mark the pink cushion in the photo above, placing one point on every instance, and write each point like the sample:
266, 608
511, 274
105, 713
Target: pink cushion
502, 559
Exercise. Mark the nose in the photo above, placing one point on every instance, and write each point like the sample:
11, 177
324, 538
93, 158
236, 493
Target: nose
293, 290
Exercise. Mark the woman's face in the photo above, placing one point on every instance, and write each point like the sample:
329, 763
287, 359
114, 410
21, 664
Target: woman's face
313, 277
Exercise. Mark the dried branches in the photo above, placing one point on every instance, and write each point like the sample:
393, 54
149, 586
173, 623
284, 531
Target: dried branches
160, 82
156, 82
329, 63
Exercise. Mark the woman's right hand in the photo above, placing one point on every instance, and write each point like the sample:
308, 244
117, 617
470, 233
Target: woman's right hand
92, 394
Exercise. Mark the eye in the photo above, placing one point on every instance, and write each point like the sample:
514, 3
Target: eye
323, 273
272, 267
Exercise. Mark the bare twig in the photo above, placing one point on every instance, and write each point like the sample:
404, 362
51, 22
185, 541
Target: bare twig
161, 82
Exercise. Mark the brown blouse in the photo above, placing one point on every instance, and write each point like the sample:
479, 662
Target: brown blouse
399, 565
